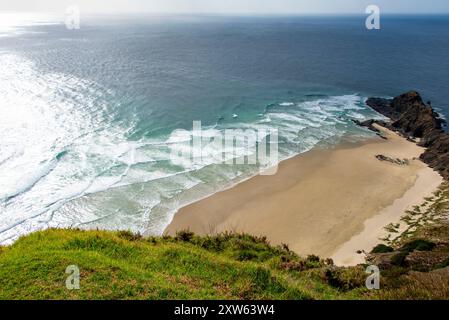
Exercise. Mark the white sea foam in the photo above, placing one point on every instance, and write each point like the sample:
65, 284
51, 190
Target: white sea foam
17, 184
62, 162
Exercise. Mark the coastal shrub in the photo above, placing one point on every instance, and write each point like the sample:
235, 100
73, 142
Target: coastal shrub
293, 265
382, 248
211, 243
345, 279
130, 236
301, 265
418, 245
292, 262
152, 240
240, 247
399, 259
246, 255
329, 262
258, 281
313, 258
443, 265
252, 255
249, 242
184, 235
313, 261
166, 237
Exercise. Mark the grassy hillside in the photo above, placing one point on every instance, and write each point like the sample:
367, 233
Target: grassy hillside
121, 265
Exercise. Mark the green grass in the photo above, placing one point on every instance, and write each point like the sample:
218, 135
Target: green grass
120, 265
381, 248
419, 245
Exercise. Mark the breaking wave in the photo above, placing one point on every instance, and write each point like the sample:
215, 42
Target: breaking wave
65, 161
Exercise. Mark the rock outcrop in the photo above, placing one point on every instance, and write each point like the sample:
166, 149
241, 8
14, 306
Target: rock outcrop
401, 162
414, 119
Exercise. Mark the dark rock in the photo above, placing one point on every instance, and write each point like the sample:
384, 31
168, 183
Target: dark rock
401, 162
437, 155
383, 106
409, 115
370, 125
412, 118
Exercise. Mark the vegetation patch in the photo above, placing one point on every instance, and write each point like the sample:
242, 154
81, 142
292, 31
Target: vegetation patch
419, 245
123, 265
382, 248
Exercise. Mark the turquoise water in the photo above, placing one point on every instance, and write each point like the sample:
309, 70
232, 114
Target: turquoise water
89, 119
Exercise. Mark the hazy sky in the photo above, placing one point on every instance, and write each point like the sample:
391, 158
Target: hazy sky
229, 6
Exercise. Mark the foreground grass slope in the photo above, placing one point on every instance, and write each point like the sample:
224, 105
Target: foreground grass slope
414, 264
120, 265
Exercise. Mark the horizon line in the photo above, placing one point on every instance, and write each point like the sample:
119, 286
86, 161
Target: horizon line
230, 14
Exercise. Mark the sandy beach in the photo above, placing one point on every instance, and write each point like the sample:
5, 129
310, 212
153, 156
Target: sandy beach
330, 202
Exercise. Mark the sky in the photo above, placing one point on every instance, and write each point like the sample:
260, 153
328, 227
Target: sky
229, 6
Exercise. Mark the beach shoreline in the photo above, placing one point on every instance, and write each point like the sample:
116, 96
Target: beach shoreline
323, 201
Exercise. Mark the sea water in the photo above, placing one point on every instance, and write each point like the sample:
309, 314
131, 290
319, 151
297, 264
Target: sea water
89, 118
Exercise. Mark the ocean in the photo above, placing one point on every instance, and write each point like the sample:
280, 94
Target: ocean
90, 118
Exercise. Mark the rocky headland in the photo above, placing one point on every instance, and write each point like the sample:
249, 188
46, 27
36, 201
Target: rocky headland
417, 121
